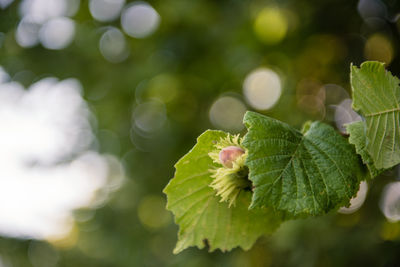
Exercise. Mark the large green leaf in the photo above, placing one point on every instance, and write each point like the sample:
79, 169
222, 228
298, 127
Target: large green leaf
376, 96
301, 174
201, 217
358, 139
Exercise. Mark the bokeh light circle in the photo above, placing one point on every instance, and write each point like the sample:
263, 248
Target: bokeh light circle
344, 114
371, 9
27, 33
150, 116
57, 33
379, 48
271, 25
40, 11
5, 3
357, 201
262, 88
390, 202
139, 20
105, 10
152, 213
227, 112
113, 46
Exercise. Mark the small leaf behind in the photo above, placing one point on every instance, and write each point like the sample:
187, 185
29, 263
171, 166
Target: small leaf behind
376, 96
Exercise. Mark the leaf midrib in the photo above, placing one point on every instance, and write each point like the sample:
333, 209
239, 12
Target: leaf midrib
382, 112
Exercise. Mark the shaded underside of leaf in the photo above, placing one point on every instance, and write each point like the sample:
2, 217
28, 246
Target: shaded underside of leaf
357, 132
376, 95
301, 174
201, 217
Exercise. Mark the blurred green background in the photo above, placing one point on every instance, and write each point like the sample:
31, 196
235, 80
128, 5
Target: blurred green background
157, 77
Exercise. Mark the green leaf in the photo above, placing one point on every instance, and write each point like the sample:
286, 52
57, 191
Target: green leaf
358, 139
301, 174
201, 217
376, 95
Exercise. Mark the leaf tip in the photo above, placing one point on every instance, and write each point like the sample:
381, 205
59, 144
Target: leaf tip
177, 250
247, 116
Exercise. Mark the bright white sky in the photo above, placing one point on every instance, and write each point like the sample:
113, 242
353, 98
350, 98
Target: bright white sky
46, 166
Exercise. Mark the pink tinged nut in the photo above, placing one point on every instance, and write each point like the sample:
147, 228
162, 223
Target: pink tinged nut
229, 154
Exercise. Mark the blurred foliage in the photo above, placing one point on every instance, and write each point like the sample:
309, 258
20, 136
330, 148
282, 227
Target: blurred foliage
204, 48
